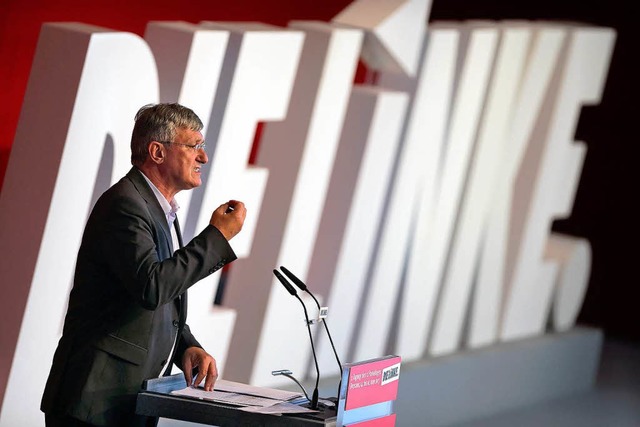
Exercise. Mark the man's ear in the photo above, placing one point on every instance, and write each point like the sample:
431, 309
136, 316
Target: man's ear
157, 152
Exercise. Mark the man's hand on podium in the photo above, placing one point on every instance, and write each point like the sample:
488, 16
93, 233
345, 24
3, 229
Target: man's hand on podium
195, 357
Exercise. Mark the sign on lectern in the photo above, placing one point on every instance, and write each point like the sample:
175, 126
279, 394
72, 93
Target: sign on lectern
368, 392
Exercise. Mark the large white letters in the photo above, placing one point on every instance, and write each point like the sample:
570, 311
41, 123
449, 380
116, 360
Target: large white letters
353, 209
491, 282
70, 112
581, 82
300, 152
441, 190
484, 172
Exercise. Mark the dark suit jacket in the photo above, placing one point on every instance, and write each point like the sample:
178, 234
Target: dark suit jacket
123, 309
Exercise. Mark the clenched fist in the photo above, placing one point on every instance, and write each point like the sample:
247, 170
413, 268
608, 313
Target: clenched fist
229, 218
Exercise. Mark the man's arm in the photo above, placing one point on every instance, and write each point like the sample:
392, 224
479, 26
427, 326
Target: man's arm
130, 251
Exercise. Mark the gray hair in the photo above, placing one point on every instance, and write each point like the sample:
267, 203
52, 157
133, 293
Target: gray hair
158, 122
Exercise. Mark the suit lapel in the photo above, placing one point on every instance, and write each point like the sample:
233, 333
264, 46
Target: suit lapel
152, 202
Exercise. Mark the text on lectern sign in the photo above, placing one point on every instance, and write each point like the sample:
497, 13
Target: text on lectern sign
373, 382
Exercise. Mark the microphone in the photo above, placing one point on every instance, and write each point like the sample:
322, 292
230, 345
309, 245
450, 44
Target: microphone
304, 288
292, 291
287, 373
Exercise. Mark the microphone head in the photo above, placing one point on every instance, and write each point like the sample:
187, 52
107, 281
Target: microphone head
284, 282
294, 279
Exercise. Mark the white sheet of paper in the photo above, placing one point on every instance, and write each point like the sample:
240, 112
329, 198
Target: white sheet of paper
280, 408
271, 393
226, 397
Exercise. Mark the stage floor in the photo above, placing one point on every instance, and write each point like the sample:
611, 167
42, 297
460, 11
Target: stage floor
614, 401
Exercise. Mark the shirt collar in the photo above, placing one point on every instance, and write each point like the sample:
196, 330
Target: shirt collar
170, 208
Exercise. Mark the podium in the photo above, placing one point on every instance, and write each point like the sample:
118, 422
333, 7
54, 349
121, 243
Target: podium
367, 393
155, 399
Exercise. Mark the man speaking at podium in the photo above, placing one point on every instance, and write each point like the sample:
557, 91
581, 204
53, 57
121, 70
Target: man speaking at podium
126, 317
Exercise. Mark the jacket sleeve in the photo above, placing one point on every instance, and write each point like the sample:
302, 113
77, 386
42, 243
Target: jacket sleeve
130, 240
186, 340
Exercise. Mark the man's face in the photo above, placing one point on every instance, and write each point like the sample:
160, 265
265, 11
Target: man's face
181, 170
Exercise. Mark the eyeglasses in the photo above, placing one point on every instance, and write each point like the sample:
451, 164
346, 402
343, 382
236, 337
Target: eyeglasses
195, 147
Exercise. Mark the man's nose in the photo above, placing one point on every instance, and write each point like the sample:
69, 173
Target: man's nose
202, 156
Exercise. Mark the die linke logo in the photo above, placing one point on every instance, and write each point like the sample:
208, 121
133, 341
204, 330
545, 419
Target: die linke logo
419, 207
392, 373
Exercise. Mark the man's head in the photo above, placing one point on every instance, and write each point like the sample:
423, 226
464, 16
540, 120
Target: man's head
168, 147
158, 122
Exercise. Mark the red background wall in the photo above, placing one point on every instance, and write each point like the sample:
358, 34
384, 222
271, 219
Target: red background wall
604, 210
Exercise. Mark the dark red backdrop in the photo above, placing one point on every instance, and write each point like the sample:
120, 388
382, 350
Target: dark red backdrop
603, 209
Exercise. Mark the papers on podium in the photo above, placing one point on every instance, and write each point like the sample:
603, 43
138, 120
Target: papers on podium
250, 398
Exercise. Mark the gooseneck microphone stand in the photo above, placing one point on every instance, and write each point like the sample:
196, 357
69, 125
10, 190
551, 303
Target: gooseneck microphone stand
304, 288
292, 291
